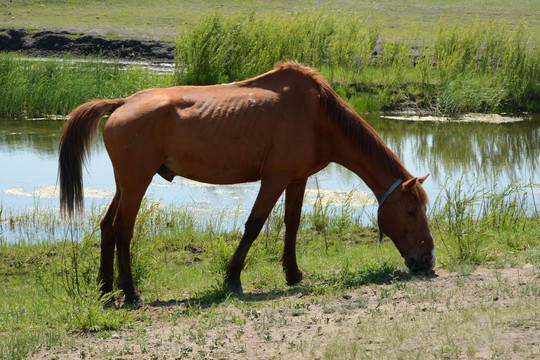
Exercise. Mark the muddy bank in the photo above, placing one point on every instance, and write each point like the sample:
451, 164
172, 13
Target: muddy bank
468, 118
49, 42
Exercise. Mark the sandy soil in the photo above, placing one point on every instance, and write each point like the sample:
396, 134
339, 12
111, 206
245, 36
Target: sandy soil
488, 314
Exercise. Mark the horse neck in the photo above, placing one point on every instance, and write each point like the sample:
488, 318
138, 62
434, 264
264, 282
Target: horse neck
370, 159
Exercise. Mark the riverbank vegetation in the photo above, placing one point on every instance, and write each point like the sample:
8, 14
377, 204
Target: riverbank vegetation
484, 67
49, 291
55, 86
479, 68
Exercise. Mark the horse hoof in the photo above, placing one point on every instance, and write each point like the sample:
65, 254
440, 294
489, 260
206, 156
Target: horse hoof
294, 278
133, 302
235, 289
109, 304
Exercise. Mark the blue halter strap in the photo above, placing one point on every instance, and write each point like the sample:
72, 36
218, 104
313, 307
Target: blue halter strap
386, 194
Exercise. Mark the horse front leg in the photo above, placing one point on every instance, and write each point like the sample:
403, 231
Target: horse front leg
294, 197
269, 193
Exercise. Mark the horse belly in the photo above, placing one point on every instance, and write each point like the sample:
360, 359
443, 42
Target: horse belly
213, 174
222, 162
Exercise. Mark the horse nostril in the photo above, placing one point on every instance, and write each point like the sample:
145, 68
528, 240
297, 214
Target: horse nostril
428, 262
425, 263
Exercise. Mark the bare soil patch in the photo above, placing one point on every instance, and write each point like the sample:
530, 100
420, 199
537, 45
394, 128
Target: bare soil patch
487, 314
57, 42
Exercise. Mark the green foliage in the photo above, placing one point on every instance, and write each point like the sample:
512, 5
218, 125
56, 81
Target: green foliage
19, 344
320, 216
222, 250
56, 86
366, 273
470, 93
486, 68
463, 233
271, 240
220, 49
325, 218
475, 224
76, 296
480, 68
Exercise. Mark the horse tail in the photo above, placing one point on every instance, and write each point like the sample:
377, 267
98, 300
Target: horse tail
78, 133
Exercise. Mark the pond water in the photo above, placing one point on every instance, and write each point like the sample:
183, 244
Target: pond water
449, 151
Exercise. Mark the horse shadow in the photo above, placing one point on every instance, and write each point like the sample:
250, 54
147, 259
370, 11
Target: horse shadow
219, 294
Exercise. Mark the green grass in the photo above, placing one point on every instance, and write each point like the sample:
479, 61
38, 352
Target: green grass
168, 18
487, 67
49, 288
473, 224
56, 86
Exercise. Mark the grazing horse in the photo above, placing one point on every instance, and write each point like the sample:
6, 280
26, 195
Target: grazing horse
279, 127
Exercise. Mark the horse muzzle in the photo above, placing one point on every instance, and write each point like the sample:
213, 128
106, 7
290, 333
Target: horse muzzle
421, 264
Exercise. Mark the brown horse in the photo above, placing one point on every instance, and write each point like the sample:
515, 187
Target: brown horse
279, 127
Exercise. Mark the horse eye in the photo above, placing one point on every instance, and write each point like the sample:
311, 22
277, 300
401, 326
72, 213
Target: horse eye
411, 212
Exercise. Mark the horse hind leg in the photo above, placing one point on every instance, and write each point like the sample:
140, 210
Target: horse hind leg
294, 197
106, 269
128, 206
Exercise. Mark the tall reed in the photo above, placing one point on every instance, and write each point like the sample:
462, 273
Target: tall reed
55, 86
480, 68
486, 68
219, 48
466, 220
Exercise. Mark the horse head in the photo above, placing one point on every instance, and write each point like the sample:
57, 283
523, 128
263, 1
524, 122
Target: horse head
403, 219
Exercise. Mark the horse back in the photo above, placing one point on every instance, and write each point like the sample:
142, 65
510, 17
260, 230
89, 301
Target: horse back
220, 134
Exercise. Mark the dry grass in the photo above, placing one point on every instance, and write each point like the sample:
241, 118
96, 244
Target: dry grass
487, 314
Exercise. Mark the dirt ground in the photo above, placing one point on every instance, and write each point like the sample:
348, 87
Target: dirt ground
41, 43
487, 314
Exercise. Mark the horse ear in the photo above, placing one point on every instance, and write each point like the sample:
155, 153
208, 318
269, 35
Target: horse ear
408, 185
423, 178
